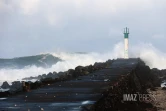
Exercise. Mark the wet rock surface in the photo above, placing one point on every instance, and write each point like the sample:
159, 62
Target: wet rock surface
5, 85
78, 89
135, 82
50, 78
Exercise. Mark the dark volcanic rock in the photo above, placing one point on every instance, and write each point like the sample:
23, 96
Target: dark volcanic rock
50, 75
70, 72
39, 77
55, 73
35, 85
44, 75
79, 69
5, 85
16, 87
90, 68
130, 81
161, 74
26, 86
99, 65
138, 80
62, 75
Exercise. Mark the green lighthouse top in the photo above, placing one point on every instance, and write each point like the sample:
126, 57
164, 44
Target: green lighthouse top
126, 32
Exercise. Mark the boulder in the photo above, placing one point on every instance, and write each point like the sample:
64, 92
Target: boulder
55, 73
70, 72
79, 69
98, 64
50, 75
46, 81
5, 85
35, 85
90, 68
44, 75
26, 86
39, 77
61, 74
16, 86
108, 63
85, 72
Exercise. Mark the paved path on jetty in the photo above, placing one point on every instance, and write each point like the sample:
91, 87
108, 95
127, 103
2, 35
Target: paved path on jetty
71, 95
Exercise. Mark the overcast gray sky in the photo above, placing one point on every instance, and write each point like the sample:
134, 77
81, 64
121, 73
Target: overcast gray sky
29, 27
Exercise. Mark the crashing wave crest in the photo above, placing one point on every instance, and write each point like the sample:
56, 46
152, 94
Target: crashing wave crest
152, 56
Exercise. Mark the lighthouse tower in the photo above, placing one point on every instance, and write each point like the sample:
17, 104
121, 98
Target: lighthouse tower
126, 43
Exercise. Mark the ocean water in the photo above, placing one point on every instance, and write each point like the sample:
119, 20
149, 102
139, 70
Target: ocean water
18, 68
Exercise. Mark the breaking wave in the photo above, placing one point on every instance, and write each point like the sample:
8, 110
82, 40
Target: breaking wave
42, 60
62, 61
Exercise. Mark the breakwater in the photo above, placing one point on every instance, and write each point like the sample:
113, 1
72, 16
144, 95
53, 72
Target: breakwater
98, 88
135, 83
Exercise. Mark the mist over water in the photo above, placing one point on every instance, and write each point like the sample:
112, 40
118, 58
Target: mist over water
152, 57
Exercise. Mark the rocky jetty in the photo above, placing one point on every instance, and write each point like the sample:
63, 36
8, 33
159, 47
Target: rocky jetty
47, 79
51, 77
16, 86
7, 90
137, 82
98, 87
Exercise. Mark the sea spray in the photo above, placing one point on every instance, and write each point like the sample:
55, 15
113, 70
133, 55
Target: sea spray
151, 55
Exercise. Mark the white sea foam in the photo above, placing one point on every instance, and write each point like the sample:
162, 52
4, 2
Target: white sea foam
152, 56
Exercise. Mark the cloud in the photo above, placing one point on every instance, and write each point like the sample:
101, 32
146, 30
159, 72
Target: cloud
73, 21
29, 7
5, 6
55, 11
159, 36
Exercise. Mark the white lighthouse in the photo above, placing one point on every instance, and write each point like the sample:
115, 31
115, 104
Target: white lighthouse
126, 43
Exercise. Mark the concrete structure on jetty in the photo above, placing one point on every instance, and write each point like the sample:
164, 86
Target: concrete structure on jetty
88, 91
